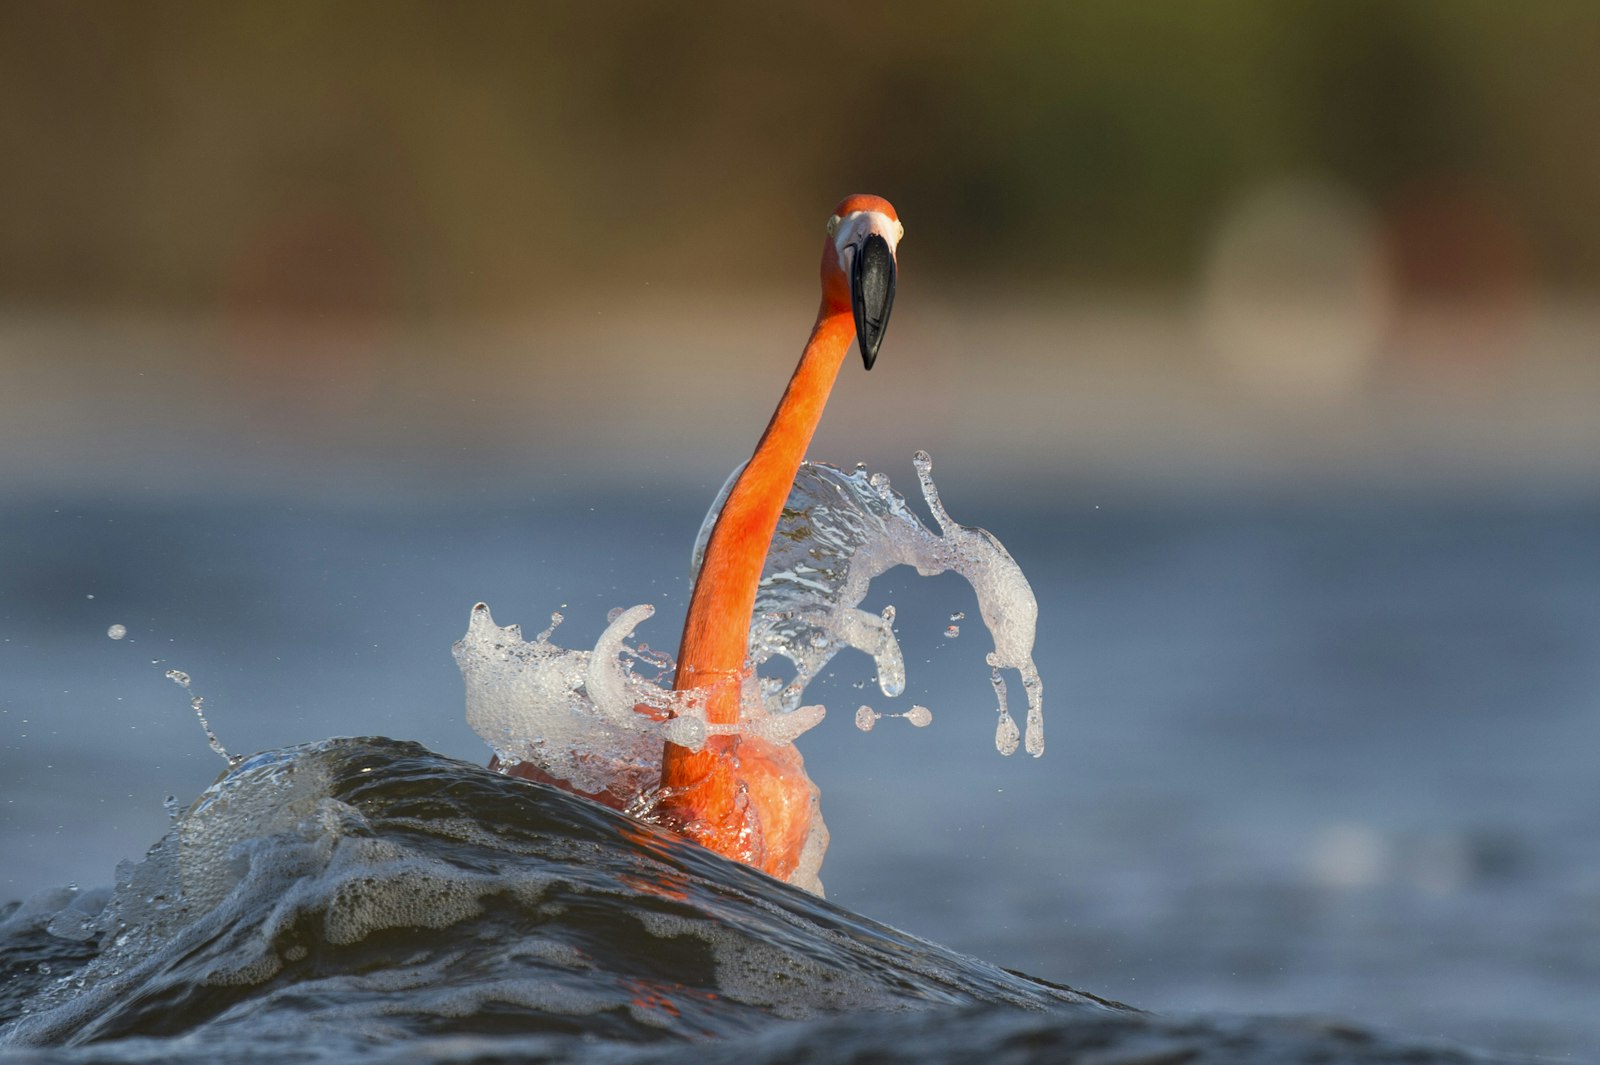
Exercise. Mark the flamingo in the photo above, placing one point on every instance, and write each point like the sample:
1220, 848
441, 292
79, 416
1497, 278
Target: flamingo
741, 795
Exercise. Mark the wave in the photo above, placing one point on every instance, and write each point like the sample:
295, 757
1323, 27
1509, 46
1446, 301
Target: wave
369, 900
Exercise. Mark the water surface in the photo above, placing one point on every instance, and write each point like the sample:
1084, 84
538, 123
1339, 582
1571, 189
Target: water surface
1330, 755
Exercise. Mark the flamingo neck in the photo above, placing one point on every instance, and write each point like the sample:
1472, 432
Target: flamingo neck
717, 629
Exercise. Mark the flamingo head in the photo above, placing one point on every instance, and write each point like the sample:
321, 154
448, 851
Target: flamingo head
858, 267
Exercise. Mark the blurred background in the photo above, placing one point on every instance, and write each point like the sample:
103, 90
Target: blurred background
1264, 334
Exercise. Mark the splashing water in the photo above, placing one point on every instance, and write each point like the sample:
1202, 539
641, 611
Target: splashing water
839, 531
587, 718
197, 703
917, 716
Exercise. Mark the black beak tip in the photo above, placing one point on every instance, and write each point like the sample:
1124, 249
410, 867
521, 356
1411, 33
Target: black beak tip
872, 295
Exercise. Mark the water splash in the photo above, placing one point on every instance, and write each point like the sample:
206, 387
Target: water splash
585, 716
838, 532
197, 703
917, 716
591, 720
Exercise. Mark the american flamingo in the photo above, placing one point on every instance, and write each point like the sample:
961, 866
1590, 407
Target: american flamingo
741, 795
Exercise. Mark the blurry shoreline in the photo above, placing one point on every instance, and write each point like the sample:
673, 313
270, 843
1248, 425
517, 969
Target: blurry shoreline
1132, 393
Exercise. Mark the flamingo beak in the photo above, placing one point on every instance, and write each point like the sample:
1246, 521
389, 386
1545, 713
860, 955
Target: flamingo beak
872, 294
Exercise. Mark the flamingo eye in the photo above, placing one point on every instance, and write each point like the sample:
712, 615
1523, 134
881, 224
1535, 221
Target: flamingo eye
833, 225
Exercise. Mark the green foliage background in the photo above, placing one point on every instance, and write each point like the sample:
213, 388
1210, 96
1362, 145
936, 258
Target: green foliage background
168, 154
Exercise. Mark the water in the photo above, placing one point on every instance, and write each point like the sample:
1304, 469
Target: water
841, 531
1328, 756
371, 891
370, 900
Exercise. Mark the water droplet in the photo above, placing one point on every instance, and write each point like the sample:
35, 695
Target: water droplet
1006, 734
686, 731
866, 717
959, 615
1034, 687
952, 631
197, 703
919, 716
117, 632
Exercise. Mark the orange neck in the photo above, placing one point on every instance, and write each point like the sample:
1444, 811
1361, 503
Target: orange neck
717, 630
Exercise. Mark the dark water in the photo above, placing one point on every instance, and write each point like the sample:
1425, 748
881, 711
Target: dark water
1329, 756
367, 899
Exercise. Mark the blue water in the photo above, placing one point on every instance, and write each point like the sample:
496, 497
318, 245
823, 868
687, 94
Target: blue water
1311, 755
369, 900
